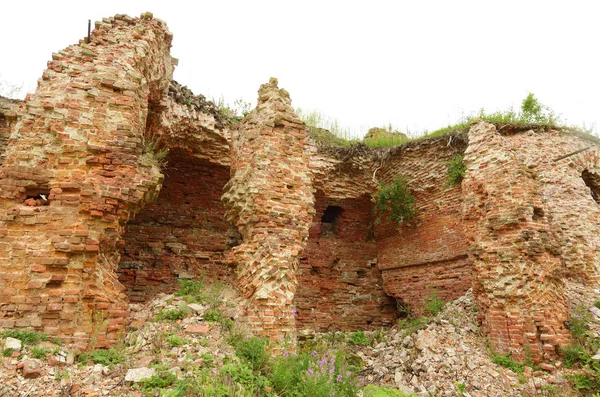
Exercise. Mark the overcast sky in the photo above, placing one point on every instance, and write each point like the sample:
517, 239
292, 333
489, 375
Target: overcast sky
415, 64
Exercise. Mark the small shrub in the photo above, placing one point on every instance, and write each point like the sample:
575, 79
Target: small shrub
213, 315
432, 303
359, 338
573, 354
108, 357
461, 387
40, 353
578, 324
395, 200
242, 374
456, 170
171, 314
161, 380
26, 337
506, 361
176, 340
193, 288
253, 351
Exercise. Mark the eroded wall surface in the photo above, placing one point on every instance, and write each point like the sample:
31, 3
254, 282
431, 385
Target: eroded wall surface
339, 284
79, 142
427, 256
182, 234
515, 251
269, 199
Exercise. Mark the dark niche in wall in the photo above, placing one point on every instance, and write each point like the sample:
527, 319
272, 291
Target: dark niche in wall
329, 219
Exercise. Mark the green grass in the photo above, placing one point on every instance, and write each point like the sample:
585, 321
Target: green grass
26, 337
379, 391
456, 170
176, 340
172, 314
394, 201
432, 303
359, 338
108, 357
40, 353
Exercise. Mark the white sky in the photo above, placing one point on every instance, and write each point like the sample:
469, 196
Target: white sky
415, 64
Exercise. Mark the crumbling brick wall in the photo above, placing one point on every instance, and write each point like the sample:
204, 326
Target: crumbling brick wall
515, 251
181, 234
339, 284
79, 141
7, 117
269, 199
426, 256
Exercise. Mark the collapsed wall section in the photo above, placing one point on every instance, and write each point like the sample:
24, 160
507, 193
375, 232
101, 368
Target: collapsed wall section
269, 200
427, 256
75, 170
515, 251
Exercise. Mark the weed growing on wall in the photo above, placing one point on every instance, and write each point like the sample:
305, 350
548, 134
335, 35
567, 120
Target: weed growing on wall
394, 201
456, 170
432, 303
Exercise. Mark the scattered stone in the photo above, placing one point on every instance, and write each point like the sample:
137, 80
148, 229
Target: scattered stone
135, 375
13, 344
197, 308
31, 369
197, 329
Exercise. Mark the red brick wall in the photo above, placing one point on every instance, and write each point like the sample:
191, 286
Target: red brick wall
429, 253
339, 284
181, 234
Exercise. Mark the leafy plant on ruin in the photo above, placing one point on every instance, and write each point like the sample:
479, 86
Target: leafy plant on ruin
456, 170
233, 112
380, 391
153, 147
25, 336
579, 353
359, 338
432, 302
107, 357
394, 202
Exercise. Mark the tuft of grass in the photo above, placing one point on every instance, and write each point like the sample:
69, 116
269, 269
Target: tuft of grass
40, 353
109, 357
172, 314
253, 351
161, 380
359, 338
506, 361
26, 337
7, 352
412, 325
380, 391
432, 303
176, 340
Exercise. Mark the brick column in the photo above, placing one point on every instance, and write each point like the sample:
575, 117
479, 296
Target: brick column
79, 142
269, 199
515, 253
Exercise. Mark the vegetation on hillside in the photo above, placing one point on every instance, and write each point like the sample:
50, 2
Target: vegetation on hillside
532, 113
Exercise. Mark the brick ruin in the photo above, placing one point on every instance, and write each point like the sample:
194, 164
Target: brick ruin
91, 218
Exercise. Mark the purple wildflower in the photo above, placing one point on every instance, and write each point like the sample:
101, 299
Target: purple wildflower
310, 372
314, 353
339, 378
286, 353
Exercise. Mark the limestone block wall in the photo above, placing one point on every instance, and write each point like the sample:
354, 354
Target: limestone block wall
269, 199
430, 253
339, 284
515, 251
79, 141
181, 234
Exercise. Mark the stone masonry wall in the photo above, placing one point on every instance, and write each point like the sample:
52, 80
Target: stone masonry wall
339, 284
180, 235
78, 141
269, 199
515, 251
7, 118
430, 253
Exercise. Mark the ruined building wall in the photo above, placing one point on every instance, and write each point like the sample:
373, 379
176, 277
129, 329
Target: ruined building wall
339, 285
7, 117
430, 253
79, 141
570, 187
515, 251
269, 199
181, 234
